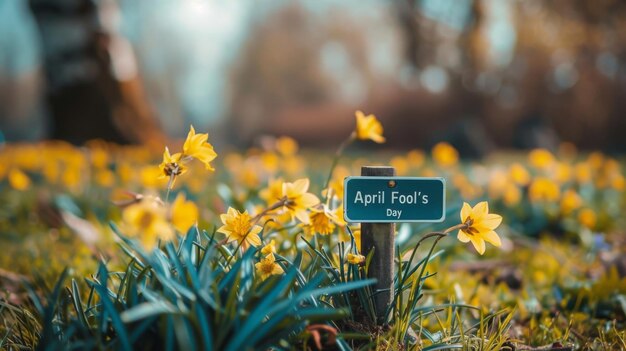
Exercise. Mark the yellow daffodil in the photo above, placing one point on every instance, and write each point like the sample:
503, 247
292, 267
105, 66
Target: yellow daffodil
587, 217
152, 177
356, 233
519, 174
541, 158
355, 258
172, 165
570, 201
71, 177
429, 172
18, 180
249, 174
238, 227
618, 182
512, 195
445, 155
595, 160
196, 146
279, 221
50, 170
368, 128
184, 213
563, 172
298, 200
466, 187
273, 192
338, 216
146, 220
480, 226
269, 248
233, 162
293, 165
498, 181
401, 164
543, 189
612, 166
268, 267
126, 173
99, 158
582, 171
104, 177
270, 162
322, 221
286, 146
415, 158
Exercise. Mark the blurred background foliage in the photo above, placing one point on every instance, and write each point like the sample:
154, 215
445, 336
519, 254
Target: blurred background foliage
481, 74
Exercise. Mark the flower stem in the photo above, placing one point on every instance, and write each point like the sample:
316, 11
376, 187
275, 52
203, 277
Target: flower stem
170, 183
167, 194
442, 234
338, 154
280, 203
438, 236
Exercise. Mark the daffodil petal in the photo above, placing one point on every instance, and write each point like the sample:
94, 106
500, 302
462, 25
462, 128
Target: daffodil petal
308, 200
480, 210
253, 239
223, 230
479, 245
255, 230
492, 238
190, 136
131, 213
466, 210
277, 269
491, 221
463, 237
224, 217
377, 138
303, 216
301, 185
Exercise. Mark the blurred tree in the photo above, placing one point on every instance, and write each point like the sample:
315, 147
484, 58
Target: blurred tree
534, 73
566, 78
93, 90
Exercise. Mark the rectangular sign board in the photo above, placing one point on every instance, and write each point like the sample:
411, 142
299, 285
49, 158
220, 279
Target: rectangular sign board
394, 199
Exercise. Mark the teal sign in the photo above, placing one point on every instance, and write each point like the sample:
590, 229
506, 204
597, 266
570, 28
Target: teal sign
394, 199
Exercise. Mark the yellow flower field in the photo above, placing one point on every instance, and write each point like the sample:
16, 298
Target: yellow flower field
119, 247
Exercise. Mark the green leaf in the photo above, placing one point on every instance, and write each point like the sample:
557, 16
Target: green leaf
78, 305
184, 333
443, 347
262, 310
205, 329
118, 325
147, 309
